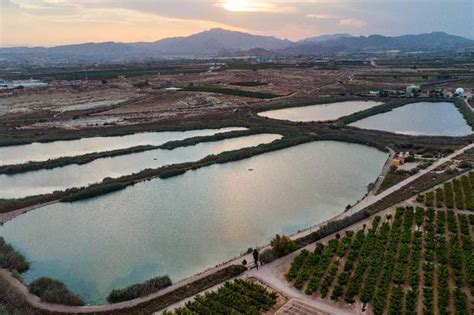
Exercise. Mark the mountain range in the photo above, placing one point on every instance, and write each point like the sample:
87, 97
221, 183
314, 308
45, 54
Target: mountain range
220, 42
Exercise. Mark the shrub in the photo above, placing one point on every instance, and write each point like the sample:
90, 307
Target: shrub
53, 291
282, 245
139, 290
11, 259
267, 256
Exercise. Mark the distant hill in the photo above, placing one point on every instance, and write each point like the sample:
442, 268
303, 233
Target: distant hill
220, 42
323, 38
436, 41
216, 40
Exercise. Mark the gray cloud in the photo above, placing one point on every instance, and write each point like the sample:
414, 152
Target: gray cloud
290, 19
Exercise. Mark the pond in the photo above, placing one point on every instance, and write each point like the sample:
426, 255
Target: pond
62, 178
185, 224
322, 112
51, 150
423, 118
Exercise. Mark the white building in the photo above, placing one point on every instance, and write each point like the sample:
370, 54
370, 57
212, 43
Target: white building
459, 92
412, 90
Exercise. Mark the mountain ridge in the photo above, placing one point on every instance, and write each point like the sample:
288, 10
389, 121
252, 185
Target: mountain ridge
219, 42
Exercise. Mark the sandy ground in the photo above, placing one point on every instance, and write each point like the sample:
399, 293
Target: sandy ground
125, 101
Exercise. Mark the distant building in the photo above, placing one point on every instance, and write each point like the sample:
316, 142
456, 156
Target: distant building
459, 92
374, 93
399, 159
412, 90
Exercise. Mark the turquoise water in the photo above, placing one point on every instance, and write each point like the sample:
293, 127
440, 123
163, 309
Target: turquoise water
44, 151
185, 224
48, 181
424, 118
320, 112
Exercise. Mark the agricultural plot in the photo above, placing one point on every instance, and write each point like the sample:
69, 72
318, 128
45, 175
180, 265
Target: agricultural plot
456, 194
416, 262
236, 297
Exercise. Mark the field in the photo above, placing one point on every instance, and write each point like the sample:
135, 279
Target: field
456, 194
235, 297
414, 260
418, 261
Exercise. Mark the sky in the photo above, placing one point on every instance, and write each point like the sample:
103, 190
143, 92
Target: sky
56, 22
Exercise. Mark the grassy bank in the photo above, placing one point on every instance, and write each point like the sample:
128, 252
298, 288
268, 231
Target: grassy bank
384, 108
113, 184
184, 292
465, 111
17, 300
334, 133
64, 161
139, 289
19, 137
11, 259
87, 158
55, 292
389, 106
248, 83
171, 145
227, 91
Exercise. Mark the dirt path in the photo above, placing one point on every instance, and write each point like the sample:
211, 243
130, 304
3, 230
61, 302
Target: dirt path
10, 215
385, 170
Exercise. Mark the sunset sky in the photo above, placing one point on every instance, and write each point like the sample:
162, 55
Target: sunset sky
55, 22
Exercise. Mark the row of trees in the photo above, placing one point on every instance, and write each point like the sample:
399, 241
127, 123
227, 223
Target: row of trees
236, 297
455, 194
384, 265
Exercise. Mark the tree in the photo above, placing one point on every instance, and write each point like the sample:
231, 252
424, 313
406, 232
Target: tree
282, 245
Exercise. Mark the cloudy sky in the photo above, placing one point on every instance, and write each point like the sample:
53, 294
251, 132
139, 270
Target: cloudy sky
54, 22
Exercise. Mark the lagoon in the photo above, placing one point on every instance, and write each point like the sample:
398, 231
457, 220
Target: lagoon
52, 150
423, 118
62, 178
182, 225
321, 112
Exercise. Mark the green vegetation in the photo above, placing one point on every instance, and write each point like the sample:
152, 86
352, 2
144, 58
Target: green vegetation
171, 145
184, 292
63, 161
248, 83
107, 186
227, 91
465, 111
457, 193
393, 264
113, 184
19, 137
280, 246
387, 107
53, 291
236, 297
394, 177
104, 72
87, 158
384, 108
139, 290
11, 259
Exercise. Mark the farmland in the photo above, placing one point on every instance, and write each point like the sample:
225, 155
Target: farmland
455, 194
417, 261
239, 297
